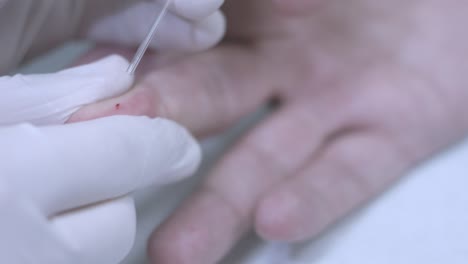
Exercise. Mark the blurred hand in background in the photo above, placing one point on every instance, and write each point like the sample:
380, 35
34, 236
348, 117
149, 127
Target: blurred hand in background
367, 89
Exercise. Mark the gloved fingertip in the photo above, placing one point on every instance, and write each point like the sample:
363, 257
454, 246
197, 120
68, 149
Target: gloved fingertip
111, 69
114, 70
97, 81
189, 161
182, 153
209, 32
111, 63
100, 233
115, 63
196, 10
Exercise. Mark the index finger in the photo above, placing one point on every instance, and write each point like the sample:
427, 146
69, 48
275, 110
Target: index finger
205, 92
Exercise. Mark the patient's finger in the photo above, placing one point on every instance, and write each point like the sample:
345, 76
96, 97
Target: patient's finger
205, 92
213, 219
353, 168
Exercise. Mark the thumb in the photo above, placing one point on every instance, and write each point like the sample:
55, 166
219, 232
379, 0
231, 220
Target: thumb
45, 99
103, 232
69, 166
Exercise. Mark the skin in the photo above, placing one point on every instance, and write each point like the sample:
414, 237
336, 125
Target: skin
368, 90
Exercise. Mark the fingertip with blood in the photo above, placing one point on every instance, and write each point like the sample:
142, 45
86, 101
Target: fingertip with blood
137, 102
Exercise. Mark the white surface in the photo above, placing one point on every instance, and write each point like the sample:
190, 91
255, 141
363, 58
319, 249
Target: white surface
422, 220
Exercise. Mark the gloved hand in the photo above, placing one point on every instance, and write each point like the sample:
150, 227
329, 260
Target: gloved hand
188, 26
64, 188
36, 26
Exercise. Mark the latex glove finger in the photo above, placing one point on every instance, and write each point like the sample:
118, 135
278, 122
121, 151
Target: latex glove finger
195, 10
130, 27
25, 229
102, 233
84, 163
53, 98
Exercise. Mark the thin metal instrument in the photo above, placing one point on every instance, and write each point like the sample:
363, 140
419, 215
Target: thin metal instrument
145, 44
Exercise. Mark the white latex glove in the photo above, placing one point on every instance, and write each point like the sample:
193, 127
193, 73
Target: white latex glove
189, 25
64, 188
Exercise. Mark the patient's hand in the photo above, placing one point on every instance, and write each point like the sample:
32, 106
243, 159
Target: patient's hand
368, 90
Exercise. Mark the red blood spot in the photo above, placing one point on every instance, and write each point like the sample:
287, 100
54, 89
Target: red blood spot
117, 106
